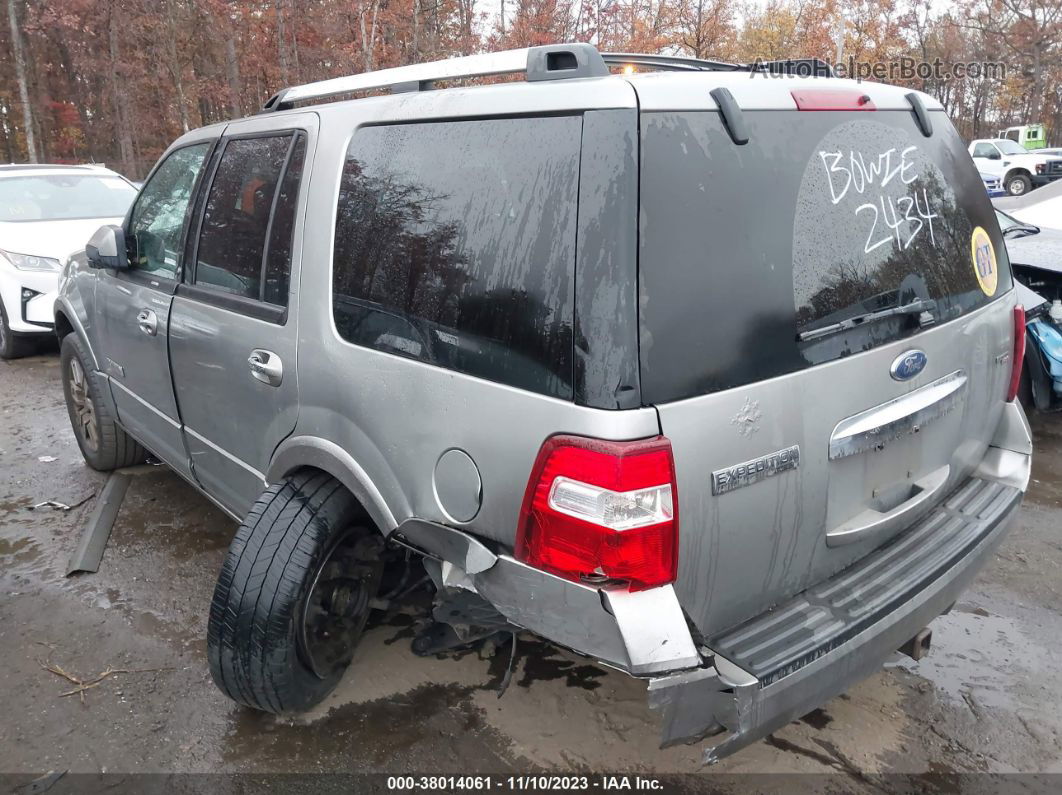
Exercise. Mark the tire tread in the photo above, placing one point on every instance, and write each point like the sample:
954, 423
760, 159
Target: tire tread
251, 635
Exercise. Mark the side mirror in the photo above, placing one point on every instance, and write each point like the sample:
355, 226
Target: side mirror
106, 248
994, 156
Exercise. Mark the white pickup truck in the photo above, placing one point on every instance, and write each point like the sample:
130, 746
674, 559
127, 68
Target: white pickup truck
1018, 169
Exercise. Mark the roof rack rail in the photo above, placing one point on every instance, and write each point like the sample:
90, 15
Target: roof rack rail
677, 63
550, 62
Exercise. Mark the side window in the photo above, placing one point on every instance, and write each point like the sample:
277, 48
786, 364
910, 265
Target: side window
245, 237
984, 150
281, 231
154, 236
455, 245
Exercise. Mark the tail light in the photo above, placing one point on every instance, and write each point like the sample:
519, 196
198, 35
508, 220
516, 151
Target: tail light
1019, 352
597, 510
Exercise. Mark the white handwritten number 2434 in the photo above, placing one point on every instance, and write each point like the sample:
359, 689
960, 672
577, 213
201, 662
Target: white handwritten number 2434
906, 212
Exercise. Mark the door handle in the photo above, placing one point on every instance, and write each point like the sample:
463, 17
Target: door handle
266, 367
147, 322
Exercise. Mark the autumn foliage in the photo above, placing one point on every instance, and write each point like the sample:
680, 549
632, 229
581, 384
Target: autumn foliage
116, 80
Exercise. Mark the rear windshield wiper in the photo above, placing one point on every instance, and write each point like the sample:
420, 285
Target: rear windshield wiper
924, 308
1022, 230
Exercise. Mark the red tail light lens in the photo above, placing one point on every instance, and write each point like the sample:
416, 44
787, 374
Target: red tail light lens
596, 510
831, 99
1019, 352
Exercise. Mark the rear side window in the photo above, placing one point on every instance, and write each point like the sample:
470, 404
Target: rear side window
245, 238
455, 246
752, 255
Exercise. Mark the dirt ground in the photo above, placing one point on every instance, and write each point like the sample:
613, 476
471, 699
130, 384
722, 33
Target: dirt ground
988, 698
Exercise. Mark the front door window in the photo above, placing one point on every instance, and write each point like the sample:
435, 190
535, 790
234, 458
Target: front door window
154, 236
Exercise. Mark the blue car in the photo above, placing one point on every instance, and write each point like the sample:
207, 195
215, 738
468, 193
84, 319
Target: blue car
992, 185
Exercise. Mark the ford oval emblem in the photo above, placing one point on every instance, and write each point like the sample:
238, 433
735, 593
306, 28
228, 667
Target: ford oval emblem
908, 364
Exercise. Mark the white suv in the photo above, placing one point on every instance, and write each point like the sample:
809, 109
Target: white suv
47, 212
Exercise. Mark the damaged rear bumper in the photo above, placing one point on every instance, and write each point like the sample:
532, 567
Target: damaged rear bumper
743, 684
781, 665
740, 708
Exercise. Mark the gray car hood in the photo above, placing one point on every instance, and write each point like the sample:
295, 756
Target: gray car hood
1042, 250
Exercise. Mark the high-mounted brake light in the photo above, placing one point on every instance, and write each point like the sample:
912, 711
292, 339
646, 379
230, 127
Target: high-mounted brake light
597, 510
831, 99
1019, 352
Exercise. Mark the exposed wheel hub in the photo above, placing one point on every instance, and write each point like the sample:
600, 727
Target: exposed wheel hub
337, 606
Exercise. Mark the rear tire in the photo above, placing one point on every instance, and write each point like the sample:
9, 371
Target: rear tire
104, 445
11, 346
292, 598
1019, 185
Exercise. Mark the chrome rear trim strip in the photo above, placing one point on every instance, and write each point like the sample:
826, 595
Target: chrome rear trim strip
907, 414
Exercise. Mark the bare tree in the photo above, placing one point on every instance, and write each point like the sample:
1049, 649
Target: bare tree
173, 63
282, 44
125, 137
1029, 29
23, 88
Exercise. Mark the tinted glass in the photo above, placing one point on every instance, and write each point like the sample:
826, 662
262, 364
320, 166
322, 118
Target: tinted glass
55, 197
821, 217
236, 218
158, 217
278, 253
455, 245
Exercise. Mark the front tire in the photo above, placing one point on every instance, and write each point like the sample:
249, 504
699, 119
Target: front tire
1019, 185
293, 595
104, 445
11, 346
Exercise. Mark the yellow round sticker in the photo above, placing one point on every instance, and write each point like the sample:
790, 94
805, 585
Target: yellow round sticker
984, 261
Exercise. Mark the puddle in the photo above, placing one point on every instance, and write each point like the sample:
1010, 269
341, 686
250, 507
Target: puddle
389, 732
978, 658
30, 560
539, 661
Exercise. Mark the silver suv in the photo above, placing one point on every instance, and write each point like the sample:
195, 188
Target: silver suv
701, 370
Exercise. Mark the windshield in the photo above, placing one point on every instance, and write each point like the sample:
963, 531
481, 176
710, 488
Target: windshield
1008, 147
1006, 222
56, 197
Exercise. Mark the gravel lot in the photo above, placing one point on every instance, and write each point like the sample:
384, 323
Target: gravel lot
987, 699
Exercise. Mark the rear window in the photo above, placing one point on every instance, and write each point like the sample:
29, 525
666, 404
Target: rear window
455, 246
750, 254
